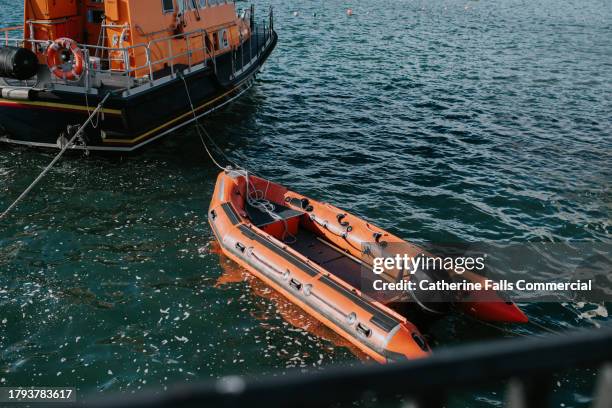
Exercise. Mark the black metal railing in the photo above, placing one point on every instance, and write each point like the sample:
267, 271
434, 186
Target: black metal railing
251, 49
527, 365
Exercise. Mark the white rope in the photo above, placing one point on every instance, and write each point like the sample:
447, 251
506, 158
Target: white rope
55, 160
195, 118
255, 198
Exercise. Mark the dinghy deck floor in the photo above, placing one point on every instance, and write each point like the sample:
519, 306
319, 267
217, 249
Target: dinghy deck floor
335, 261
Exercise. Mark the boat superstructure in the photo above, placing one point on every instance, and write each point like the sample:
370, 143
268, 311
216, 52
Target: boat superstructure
151, 56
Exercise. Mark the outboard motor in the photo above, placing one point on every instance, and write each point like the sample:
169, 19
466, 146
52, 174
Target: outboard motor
17, 63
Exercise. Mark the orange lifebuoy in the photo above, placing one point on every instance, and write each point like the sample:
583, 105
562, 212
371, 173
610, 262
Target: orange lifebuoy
56, 59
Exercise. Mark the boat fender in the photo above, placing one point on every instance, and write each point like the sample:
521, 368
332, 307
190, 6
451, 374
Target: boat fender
240, 247
213, 215
17, 94
58, 53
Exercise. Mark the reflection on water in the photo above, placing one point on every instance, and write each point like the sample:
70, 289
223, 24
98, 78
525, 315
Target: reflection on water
279, 305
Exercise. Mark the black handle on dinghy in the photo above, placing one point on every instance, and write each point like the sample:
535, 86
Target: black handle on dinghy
302, 203
340, 217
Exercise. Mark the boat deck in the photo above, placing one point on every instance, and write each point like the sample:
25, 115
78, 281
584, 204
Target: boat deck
333, 260
312, 246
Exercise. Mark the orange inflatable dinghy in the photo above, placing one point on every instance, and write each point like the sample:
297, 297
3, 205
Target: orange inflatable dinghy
312, 254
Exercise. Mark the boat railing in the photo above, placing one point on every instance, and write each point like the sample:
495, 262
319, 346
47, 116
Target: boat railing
115, 63
261, 34
153, 69
527, 368
6, 33
114, 66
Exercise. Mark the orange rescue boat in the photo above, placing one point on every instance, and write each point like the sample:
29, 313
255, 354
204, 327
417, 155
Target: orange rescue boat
312, 253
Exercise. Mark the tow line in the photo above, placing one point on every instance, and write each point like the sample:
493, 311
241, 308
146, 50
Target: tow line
56, 159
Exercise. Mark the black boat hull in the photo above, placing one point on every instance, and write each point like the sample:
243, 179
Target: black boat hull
130, 122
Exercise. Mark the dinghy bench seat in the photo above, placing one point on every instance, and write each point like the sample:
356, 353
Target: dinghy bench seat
275, 226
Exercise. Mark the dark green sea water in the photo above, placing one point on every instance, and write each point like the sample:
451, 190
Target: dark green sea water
438, 120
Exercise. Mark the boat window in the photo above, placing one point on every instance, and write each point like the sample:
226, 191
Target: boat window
168, 6
224, 40
202, 3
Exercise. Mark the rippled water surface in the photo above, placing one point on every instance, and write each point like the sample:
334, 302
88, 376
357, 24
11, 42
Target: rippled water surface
438, 120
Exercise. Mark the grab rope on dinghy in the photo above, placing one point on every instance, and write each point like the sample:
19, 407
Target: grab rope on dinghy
257, 201
68, 145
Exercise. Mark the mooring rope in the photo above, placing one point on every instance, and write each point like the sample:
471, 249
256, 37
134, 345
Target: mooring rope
258, 200
55, 160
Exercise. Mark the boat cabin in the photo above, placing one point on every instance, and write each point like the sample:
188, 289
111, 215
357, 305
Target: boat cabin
143, 39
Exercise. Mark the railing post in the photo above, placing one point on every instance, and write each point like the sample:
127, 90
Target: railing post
148, 51
252, 17
203, 37
188, 52
214, 58
171, 56
126, 59
32, 37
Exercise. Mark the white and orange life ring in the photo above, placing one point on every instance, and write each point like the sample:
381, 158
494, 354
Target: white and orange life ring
56, 59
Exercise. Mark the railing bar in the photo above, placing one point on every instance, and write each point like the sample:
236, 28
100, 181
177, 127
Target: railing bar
188, 53
125, 52
448, 369
150, 65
